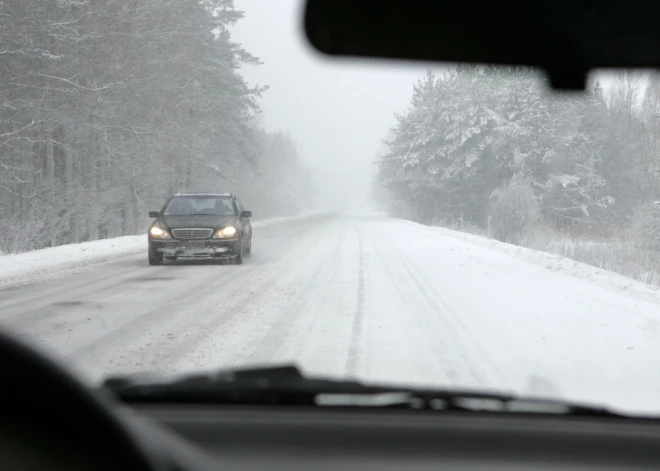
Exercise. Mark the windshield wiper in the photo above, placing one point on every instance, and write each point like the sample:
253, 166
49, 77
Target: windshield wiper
286, 385
196, 214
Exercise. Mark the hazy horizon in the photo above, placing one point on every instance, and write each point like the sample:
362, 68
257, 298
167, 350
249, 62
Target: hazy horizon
337, 111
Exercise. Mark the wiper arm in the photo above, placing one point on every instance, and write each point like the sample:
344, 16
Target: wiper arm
270, 385
286, 385
196, 214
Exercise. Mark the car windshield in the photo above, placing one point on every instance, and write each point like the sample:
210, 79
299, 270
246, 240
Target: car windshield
453, 226
200, 206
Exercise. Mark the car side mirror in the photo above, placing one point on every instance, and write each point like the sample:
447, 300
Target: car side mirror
154, 214
246, 214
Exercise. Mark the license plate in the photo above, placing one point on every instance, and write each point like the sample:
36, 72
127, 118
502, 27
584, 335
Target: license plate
194, 245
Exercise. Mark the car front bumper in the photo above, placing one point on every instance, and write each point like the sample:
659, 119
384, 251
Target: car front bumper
195, 248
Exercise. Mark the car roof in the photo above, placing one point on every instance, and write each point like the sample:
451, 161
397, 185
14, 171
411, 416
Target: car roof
202, 194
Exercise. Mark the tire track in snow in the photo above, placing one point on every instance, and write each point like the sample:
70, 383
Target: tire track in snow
358, 316
111, 310
141, 322
478, 373
171, 348
273, 340
535, 384
86, 287
414, 325
189, 301
36, 302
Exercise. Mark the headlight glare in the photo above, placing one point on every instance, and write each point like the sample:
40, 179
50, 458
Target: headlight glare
228, 231
159, 233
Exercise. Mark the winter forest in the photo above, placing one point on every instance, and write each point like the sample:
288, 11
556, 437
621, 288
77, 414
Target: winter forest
109, 106
493, 151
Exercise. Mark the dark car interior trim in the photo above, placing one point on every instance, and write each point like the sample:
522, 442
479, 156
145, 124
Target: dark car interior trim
198, 437
566, 38
261, 438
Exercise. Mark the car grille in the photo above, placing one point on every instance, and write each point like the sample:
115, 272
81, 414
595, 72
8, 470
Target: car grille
191, 233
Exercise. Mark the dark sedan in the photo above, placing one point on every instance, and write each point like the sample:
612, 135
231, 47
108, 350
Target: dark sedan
200, 225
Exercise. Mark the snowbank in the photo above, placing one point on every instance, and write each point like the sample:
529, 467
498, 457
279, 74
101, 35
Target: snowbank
29, 266
552, 262
40, 264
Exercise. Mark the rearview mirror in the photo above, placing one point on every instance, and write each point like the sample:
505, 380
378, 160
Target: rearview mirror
246, 214
565, 38
154, 214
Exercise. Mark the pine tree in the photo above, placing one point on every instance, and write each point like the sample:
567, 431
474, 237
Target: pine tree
107, 106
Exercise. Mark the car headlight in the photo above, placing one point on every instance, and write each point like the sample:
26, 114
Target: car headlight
159, 233
228, 231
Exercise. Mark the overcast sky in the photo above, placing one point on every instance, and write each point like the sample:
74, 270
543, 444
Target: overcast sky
338, 111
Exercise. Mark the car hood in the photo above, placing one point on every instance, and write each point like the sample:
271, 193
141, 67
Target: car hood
214, 222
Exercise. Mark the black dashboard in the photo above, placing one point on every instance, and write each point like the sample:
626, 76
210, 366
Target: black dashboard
50, 420
270, 438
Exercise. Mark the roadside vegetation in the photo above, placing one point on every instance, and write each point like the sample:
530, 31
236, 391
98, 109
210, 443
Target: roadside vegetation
492, 151
109, 106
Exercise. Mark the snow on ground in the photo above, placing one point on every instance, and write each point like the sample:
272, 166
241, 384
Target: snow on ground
362, 296
39, 264
56, 261
549, 261
538, 322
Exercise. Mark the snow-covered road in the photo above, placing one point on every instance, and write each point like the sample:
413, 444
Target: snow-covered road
364, 296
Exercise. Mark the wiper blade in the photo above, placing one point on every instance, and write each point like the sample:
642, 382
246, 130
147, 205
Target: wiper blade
270, 385
286, 385
195, 214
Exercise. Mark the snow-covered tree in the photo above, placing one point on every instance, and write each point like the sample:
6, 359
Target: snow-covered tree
469, 133
108, 106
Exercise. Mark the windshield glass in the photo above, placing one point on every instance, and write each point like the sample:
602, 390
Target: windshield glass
454, 226
200, 205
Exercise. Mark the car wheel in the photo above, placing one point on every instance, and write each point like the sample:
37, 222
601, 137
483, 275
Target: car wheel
239, 258
155, 259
